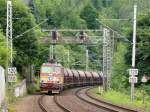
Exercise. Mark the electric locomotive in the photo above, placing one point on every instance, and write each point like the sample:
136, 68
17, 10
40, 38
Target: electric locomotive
51, 78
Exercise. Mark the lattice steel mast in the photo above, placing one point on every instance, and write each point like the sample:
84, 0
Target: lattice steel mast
108, 49
9, 28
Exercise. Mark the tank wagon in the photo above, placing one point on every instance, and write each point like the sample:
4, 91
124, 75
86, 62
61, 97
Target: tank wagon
54, 78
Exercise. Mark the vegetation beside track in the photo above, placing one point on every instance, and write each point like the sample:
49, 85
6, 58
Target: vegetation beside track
121, 98
34, 86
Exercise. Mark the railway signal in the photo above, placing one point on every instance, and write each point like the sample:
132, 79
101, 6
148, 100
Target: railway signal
54, 35
82, 36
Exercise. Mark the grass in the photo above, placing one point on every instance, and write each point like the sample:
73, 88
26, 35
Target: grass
34, 87
117, 97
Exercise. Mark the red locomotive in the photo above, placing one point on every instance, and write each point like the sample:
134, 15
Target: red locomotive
51, 78
54, 78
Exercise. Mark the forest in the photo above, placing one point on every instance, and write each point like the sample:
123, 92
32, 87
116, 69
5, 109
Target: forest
78, 14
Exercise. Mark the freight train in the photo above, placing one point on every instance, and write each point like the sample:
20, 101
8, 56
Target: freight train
54, 78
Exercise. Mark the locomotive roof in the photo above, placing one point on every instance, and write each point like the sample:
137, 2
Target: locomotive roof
51, 64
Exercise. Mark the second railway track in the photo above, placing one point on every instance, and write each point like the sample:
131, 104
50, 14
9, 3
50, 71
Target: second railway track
78, 100
70, 102
85, 96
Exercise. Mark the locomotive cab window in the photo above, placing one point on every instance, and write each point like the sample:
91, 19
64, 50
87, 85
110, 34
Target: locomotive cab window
51, 69
47, 69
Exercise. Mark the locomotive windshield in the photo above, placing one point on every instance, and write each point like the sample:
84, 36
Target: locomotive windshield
47, 69
50, 69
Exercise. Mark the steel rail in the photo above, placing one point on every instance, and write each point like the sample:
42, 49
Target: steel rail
99, 106
60, 105
43, 108
119, 108
108, 103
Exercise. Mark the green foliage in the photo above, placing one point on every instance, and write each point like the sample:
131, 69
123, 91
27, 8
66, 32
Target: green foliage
61, 13
31, 89
121, 98
119, 70
147, 89
25, 44
3, 50
98, 4
90, 15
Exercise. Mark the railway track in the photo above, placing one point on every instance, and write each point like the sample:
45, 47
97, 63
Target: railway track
60, 105
69, 102
47, 104
79, 100
85, 96
40, 102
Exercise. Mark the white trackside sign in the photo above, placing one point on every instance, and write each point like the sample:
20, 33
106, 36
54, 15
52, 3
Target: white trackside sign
133, 72
133, 79
12, 78
12, 70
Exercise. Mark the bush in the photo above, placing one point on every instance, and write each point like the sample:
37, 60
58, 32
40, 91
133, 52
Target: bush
31, 89
147, 89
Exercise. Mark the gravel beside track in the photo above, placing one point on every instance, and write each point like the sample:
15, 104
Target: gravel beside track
28, 104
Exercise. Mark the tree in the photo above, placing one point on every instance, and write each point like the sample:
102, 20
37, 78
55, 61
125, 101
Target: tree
90, 15
25, 45
119, 69
98, 4
3, 50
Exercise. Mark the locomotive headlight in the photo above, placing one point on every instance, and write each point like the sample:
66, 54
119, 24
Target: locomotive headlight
42, 81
